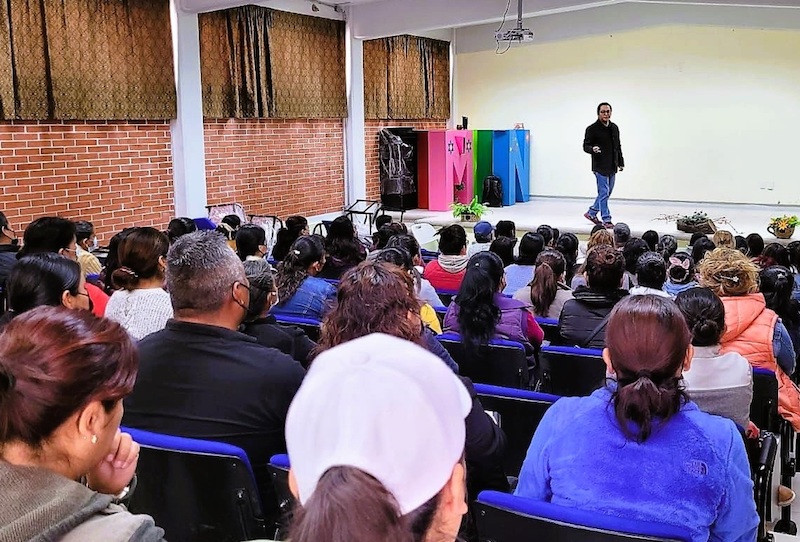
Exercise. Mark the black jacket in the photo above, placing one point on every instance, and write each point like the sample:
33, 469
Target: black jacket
609, 159
583, 313
290, 340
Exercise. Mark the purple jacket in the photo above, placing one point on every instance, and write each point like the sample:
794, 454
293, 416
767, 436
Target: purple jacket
513, 319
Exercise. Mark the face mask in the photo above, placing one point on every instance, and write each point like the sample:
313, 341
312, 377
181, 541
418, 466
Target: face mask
95, 244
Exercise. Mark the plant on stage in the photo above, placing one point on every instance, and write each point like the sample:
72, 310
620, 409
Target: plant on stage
469, 211
784, 222
696, 222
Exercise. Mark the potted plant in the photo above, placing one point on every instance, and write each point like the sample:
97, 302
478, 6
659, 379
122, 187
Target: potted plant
782, 227
468, 212
697, 222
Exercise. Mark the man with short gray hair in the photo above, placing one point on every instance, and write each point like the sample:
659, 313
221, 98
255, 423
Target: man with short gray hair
200, 377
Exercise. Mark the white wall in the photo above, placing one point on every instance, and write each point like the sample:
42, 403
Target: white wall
705, 113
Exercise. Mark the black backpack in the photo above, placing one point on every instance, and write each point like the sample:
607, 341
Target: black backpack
492, 191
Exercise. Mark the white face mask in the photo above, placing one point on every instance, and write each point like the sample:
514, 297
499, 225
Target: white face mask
95, 244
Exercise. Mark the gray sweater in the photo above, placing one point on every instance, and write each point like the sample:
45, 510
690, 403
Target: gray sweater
720, 384
38, 505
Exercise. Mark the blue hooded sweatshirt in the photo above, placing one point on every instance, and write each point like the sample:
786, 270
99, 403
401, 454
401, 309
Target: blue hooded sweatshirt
692, 471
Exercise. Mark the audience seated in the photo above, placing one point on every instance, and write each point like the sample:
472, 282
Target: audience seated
547, 292
680, 274
700, 248
484, 235
260, 324
794, 259
377, 297
447, 271
480, 312
651, 273
638, 448
381, 237
631, 251
296, 226
741, 245
547, 234
505, 228
520, 274
720, 384
9, 246
584, 318
751, 329
622, 234
383, 220
62, 428
300, 291
723, 239
376, 441
667, 246
695, 236
567, 245
178, 227
777, 283
425, 291
140, 304
251, 242
112, 261
228, 227
504, 248
200, 377
755, 245
773, 254
56, 234
86, 240
343, 248
651, 238
402, 259
602, 237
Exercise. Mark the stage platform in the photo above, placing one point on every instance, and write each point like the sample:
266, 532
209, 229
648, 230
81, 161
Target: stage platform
566, 214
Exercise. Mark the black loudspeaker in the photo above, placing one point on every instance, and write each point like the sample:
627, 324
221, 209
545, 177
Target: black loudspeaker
464, 123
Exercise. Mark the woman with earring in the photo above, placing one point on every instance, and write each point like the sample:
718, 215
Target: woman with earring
300, 291
141, 304
64, 464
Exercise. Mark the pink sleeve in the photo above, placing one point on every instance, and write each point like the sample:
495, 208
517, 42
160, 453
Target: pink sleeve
535, 332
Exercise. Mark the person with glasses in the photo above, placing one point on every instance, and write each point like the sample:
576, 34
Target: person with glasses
200, 377
601, 140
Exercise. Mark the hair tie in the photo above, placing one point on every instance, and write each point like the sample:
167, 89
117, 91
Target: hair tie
7, 381
130, 271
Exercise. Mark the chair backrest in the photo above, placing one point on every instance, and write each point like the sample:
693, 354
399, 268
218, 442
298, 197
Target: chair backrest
197, 490
322, 228
550, 328
500, 363
429, 255
311, 326
217, 212
505, 518
518, 413
764, 405
446, 296
570, 371
425, 234
278, 469
271, 225
204, 223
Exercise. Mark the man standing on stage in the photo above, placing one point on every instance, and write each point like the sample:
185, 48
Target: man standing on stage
602, 142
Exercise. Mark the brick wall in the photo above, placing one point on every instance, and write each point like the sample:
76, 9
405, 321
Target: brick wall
276, 166
113, 173
371, 129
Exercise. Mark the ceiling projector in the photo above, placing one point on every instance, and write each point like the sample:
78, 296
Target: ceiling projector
518, 35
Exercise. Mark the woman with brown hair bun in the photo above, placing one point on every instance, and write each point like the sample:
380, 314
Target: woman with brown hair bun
637, 448
62, 429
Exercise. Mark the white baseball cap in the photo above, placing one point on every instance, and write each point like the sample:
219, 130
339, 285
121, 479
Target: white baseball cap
382, 405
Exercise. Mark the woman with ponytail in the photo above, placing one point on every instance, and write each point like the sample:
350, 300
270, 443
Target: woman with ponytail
638, 448
300, 292
480, 312
547, 292
141, 305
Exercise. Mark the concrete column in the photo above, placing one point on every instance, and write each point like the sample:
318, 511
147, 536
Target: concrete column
188, 146
355, 152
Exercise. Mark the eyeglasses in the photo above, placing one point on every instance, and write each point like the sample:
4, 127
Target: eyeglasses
605, 112
83, 293
75, 250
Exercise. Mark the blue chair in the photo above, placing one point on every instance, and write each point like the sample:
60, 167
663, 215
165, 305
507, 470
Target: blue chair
500, 363
446, 295
278, 469
550, 328
310, 325
505, 518
204, 223
428, 255
197, 490
518, 413
440, 313
570, 371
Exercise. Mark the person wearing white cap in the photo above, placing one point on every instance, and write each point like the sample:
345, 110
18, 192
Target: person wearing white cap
376, 438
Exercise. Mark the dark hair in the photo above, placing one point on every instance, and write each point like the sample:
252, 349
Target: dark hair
41, 279
550, 265
567, 244
667, 246
695, 236
397, 256
680, 268
596, 228
287, 235
651, 238
741, 244
755, 245
83, 230
407, 243
373, 297
504, 247
478, 314
112, 260
180, 226
47, 234
232, 220
651, 270
601, 105
138, 253
777, 285
505, 228
452, 240
556, 235
631, 251
547, 234
349, 505
701, 247
381, 237
382, 221
704, 313
647, 340
226, 230
293, 270
248, 239
530, 246
793, 249
54, 362
341, 242
262, 283
775, 254
604, 267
